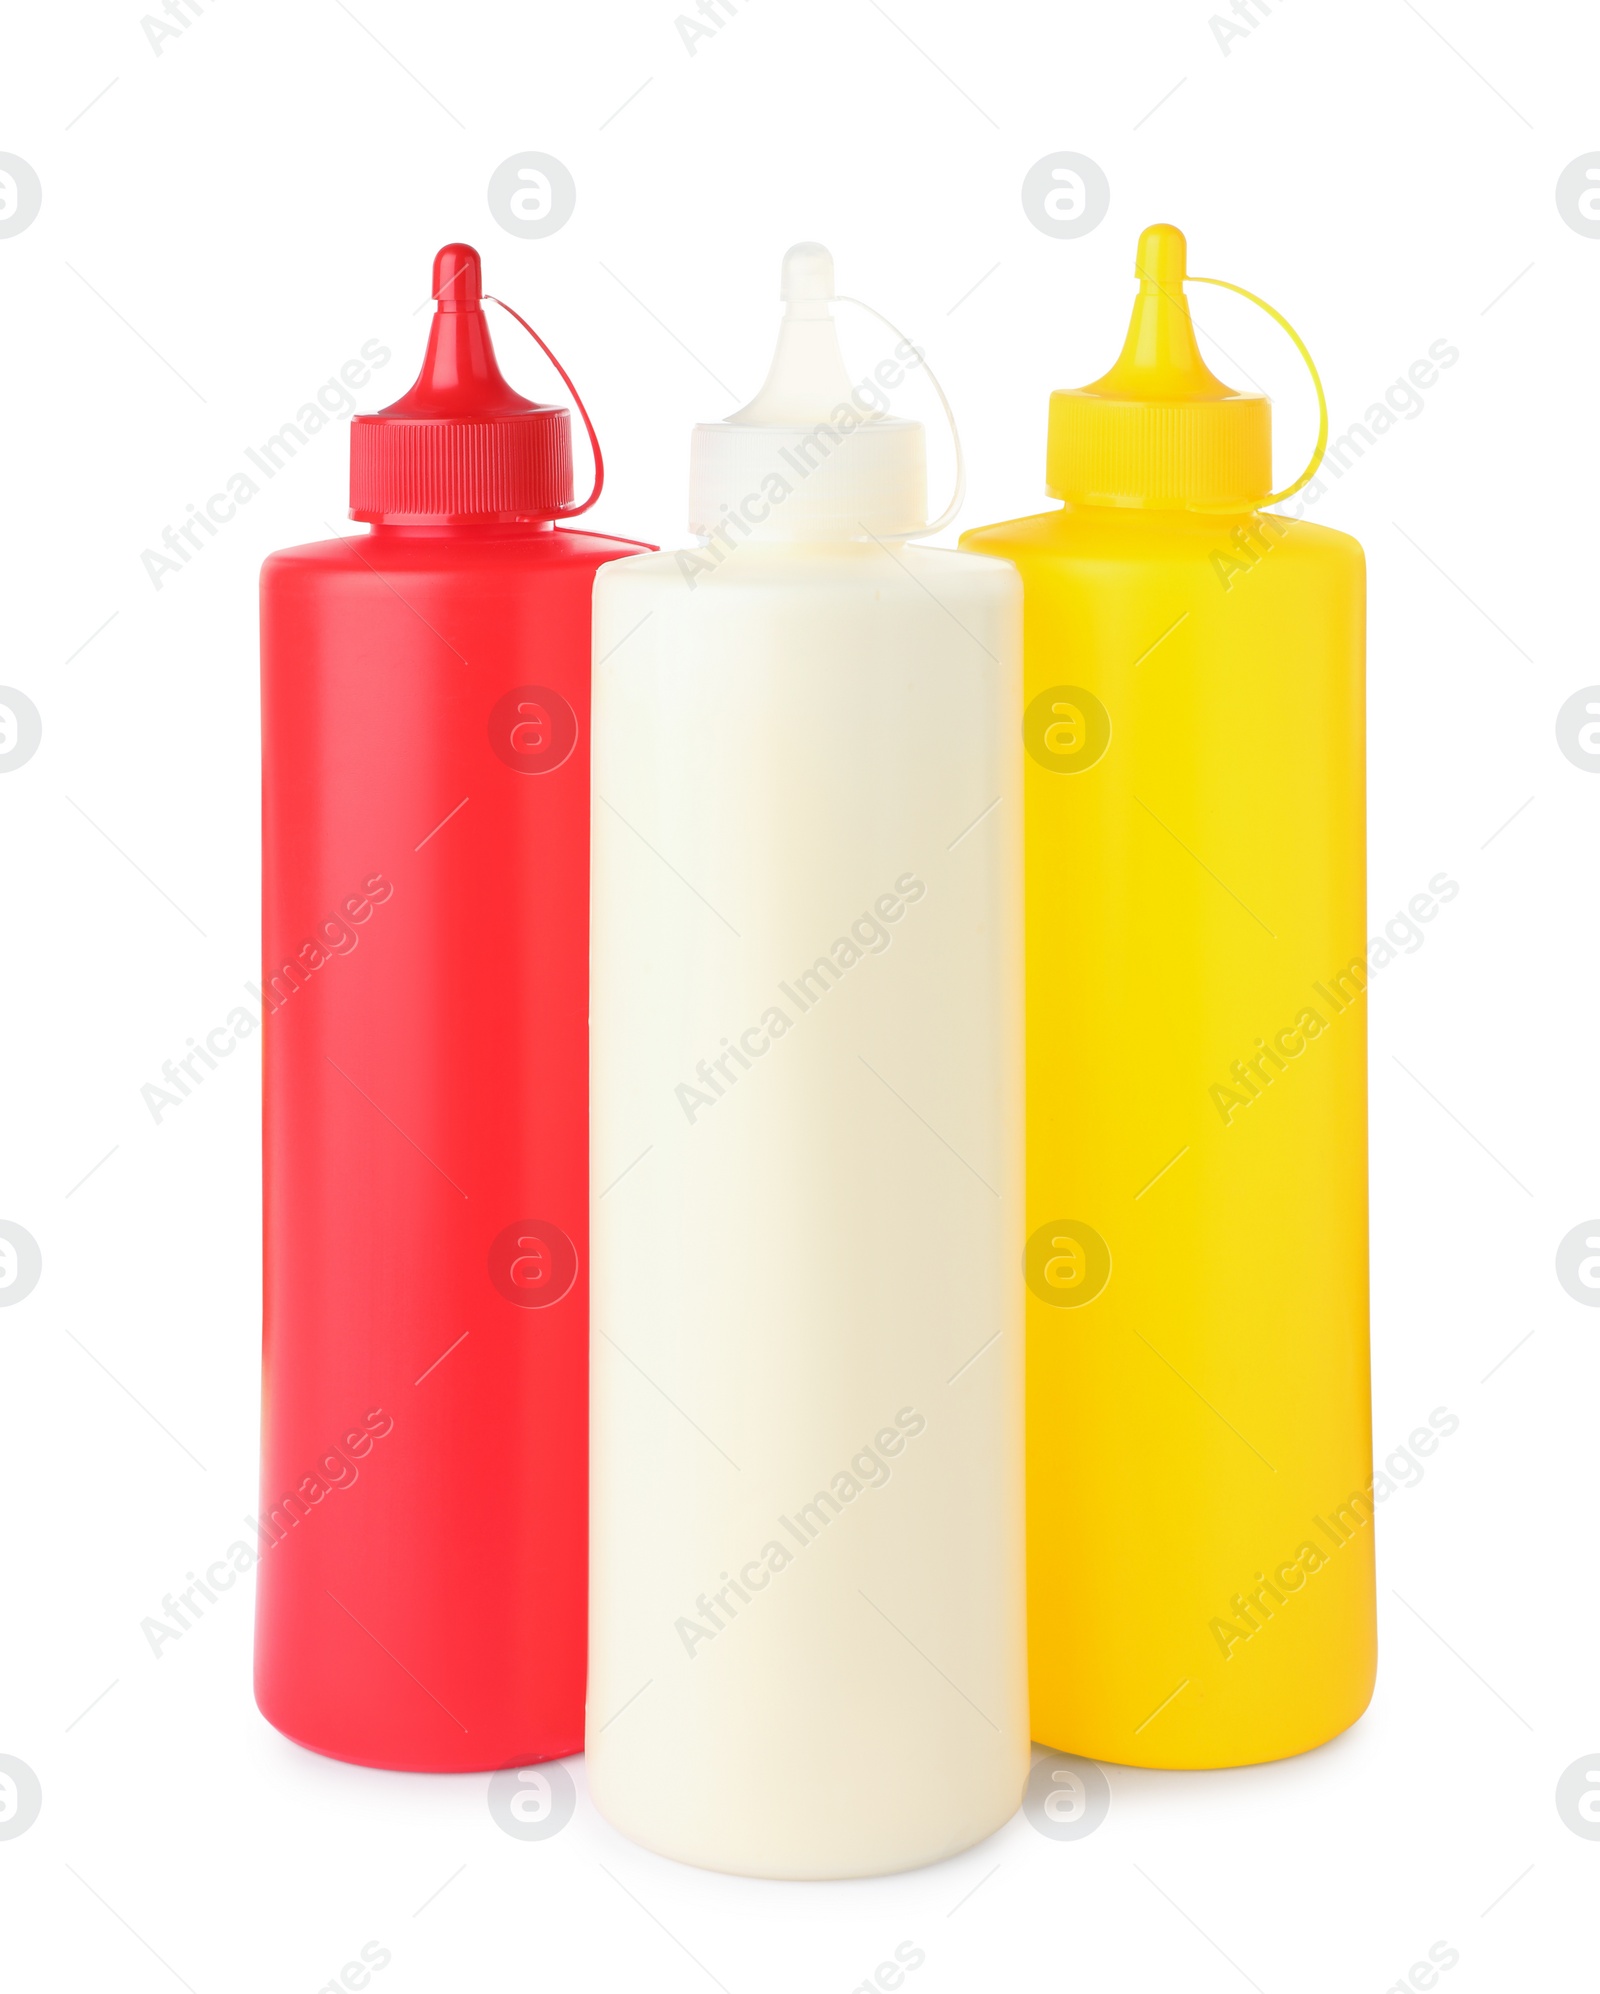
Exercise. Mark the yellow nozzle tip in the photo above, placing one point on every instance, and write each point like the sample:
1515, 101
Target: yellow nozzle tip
1162, 259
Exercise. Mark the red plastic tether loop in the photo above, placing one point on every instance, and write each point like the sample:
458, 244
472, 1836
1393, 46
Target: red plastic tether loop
571, 511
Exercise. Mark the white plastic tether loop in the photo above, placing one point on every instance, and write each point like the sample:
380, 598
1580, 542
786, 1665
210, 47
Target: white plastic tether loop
959, 494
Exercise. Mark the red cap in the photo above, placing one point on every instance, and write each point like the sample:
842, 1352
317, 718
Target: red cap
462, 447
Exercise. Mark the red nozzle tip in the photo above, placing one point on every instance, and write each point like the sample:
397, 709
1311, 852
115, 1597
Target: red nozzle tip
458, 278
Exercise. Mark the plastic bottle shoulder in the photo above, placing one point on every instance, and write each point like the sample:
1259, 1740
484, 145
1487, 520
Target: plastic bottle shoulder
790, 563
1113, 533
473, 551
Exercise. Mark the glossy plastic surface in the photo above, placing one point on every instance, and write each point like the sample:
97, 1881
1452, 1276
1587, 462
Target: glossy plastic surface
425, 701
807, 1122
1200, 1499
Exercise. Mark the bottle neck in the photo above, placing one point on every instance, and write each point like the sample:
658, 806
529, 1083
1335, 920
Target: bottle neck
518, 529
812, 541
1167, 515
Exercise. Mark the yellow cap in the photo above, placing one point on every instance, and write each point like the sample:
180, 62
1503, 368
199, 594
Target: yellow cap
1160, 429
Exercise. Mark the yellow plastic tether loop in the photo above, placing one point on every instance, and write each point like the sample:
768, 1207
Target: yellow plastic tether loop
1310, 471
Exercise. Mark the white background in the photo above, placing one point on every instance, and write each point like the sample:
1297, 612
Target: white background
266, 194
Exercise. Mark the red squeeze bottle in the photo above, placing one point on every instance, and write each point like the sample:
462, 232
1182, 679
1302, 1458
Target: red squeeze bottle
425, 929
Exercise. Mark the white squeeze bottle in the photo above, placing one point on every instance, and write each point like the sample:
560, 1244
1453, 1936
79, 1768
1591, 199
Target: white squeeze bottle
806, 1620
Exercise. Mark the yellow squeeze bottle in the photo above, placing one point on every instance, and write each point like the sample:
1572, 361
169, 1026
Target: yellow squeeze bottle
1199, 1474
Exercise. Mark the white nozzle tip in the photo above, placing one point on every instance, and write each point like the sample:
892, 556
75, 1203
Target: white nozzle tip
807, 274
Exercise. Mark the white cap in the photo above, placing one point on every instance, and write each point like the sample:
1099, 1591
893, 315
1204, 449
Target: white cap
810, 456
